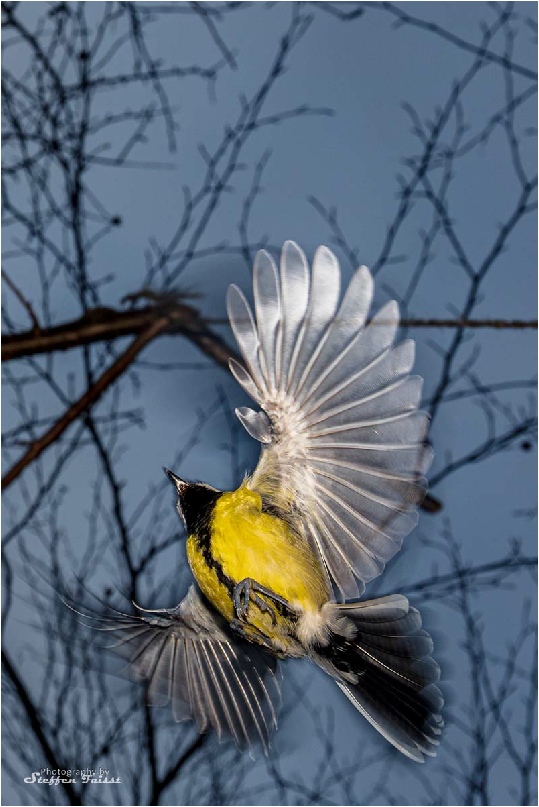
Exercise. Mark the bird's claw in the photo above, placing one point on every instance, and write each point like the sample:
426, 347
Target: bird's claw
245, 593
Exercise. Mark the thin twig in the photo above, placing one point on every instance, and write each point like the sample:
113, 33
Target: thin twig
22, 299
85, 402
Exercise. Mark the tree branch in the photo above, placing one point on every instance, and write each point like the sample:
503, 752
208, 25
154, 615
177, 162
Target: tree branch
86, 401
105, 324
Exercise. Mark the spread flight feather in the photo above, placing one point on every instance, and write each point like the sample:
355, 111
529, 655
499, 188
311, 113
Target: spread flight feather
344, 450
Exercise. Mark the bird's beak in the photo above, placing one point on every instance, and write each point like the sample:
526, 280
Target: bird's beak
178, 483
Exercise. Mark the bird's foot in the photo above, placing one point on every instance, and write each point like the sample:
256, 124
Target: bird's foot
248, 591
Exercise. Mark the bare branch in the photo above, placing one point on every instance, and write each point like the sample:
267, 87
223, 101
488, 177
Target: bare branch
86, 401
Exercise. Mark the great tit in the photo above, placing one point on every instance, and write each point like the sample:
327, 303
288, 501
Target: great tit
279, 563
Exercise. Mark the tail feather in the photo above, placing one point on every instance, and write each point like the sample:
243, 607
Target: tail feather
395, 722
387, 672
415, 667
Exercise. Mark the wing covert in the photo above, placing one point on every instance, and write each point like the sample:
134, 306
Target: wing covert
344, 454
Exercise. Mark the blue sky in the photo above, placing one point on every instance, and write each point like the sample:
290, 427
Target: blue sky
365, 70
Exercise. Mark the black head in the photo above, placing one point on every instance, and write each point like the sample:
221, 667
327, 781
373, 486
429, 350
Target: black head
195, 501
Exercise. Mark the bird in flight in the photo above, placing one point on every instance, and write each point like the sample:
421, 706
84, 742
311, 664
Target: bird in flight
280, 563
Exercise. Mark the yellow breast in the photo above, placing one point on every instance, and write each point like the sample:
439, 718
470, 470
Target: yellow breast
250, 543
244, 542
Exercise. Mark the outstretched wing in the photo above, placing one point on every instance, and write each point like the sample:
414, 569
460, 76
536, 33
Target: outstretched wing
344, 451
189, 660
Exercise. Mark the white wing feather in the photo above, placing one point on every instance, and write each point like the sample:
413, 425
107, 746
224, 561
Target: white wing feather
190, 659
345, 453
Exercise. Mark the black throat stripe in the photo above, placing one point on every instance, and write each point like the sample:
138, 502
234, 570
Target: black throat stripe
198, 503
203, 542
